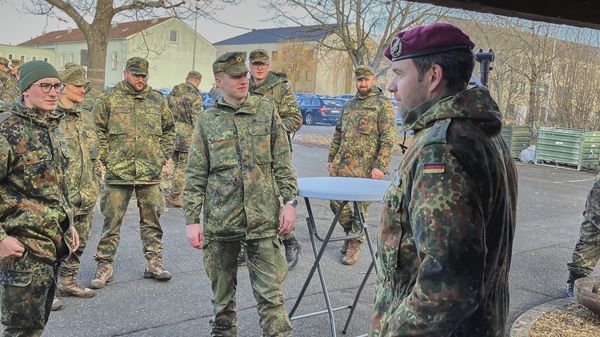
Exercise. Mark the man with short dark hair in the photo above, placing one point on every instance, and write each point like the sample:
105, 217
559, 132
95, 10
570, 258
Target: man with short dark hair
185, 103
36, 218
448, 218
135, 132
276, 88
240, 176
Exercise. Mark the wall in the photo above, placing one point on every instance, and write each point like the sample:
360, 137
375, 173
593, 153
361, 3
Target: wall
27, 53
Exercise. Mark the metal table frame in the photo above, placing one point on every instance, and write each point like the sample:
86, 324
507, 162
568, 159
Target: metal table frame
318, 253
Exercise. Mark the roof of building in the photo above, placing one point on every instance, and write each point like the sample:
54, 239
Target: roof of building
117, 31
276, 35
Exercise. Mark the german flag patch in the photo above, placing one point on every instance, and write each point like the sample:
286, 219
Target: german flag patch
434, 168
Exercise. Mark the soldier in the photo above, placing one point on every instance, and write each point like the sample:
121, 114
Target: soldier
15, 65
9, 91
35, 213
135, 132
91, 94
587, 249
448, 218
83, 173
185, 102
361, 147
265, 83
239, 169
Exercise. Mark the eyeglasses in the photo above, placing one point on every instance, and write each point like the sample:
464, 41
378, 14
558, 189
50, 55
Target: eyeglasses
46, 87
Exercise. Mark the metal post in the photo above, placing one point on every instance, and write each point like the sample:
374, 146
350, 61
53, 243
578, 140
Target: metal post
195, 36
484, 60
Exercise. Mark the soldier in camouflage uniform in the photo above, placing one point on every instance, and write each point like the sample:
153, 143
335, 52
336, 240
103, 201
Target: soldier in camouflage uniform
587, 249
15, 65
361, 147
135, 132
91, 94
9, 91
239, 170
269, 85
83, 173
35, 212
448, 218
185, 103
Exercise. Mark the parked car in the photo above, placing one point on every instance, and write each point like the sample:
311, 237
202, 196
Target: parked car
399, 119
320, 109
207, 101
345, 97
164, 91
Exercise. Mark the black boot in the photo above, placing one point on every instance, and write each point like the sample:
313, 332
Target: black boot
570, 288
292, 249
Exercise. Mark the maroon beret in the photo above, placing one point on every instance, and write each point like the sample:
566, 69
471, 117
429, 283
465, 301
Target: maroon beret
427, 40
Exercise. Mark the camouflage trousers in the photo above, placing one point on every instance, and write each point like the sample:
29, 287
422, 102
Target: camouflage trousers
179, 162
267, 268
113, 205
26, 292
349, 221
83, 225
587, 249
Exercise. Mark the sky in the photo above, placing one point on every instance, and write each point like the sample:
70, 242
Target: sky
17, 26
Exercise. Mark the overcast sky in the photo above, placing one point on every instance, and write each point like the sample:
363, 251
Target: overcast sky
16, 26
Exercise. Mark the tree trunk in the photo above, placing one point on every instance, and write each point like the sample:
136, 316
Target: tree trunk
97, 48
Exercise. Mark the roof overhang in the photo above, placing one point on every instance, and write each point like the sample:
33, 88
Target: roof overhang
581, 13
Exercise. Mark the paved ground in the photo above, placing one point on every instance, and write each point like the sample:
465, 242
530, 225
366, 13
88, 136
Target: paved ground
550, 204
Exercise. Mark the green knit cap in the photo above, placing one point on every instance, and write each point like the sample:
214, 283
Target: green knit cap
33, 71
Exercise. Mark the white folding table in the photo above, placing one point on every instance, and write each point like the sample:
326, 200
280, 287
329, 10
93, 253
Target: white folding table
348, 190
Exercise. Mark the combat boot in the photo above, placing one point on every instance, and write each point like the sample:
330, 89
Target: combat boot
569, 289
69, 286
352, 252
56, 302
292, 249
155, 269
174, 200
104, 274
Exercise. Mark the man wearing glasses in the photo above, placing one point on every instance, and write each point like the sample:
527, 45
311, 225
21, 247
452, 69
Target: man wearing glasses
135, 132
36, 229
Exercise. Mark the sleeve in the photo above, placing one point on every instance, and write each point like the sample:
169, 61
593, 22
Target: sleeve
336, 140
6, 159
283, 171
196, 176
448, 227
167, 140
196, 104
101, 114
387, 136
289, 110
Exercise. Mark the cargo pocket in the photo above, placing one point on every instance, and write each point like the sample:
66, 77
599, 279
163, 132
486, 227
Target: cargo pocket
261, 142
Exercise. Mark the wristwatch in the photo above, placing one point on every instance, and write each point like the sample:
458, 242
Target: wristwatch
293, 202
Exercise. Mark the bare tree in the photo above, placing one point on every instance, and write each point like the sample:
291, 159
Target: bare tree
357, 23
94, 18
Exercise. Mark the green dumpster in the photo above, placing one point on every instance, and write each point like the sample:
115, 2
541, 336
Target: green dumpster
568, 147
516, 138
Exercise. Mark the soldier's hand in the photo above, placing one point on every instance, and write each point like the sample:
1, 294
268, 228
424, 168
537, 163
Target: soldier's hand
328, 167
11, 247
287, 219
195, 235
75, 238
377, 174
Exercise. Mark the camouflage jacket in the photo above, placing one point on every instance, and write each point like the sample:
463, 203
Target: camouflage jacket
448, 222
135, 134
279, 91
34, 205
364, 136
238, 165
185, 103
83, 172
9, 91
90, 99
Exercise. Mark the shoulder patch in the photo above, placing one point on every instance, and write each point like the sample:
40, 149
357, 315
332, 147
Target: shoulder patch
437, 133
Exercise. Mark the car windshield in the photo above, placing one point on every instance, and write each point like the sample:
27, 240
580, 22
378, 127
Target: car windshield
332, 102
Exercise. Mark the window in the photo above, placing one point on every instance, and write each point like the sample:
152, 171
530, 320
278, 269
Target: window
274, 55
71, 57
62, 60
45, 59
309, 76
173, 36
83, 57
10, 56
315, 102
33, 58
22, 57
113, 60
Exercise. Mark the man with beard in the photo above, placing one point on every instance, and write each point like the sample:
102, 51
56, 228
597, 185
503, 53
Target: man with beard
361, 147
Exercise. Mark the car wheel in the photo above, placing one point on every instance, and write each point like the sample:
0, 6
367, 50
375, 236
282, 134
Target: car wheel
309, 119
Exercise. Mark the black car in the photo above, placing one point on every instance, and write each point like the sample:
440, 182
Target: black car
320, 109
